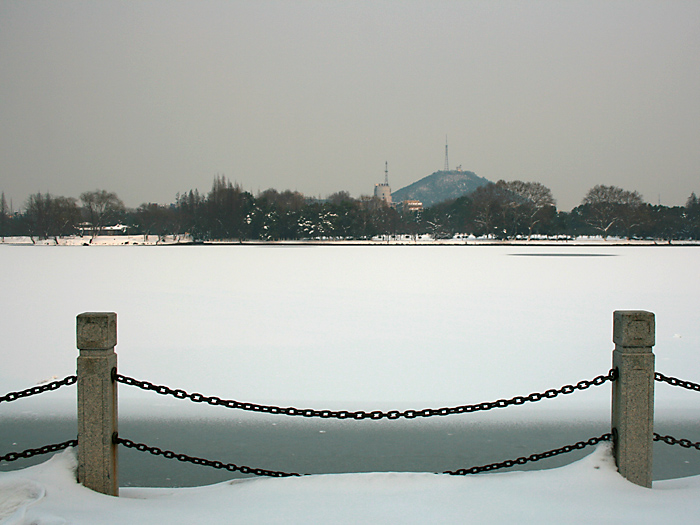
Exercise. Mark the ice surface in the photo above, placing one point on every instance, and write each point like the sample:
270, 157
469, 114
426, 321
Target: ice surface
351, 328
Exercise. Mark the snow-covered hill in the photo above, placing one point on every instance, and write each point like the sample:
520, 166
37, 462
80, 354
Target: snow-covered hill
440, 186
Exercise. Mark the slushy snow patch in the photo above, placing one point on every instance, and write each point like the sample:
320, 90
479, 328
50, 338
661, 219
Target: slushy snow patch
589, 490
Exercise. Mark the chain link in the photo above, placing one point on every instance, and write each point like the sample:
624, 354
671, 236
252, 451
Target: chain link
46, 449
361, 414
54, 385
529, 459
273, 473
141, 447
343, 414
670, 440
676, 382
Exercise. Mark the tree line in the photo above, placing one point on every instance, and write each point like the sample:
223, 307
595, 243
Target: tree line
501, 210
508, 210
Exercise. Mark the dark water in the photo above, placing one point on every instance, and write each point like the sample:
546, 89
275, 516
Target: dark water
319, 446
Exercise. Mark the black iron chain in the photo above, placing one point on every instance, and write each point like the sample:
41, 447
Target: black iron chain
533, 457
54, 385
676, 382
277, 474
201, 461
361, 414
46, 449
670, 440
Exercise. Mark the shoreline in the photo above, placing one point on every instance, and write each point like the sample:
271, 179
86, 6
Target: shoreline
185, 240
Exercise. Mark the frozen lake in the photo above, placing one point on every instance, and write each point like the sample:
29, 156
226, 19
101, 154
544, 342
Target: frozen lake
341, 327
315, 446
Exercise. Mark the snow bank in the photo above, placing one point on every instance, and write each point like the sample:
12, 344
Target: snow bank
587, 491
395, 240
99, 240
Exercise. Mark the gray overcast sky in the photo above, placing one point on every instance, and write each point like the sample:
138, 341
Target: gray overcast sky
152, 98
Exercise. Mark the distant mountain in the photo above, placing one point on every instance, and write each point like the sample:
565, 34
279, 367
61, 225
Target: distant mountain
439, 187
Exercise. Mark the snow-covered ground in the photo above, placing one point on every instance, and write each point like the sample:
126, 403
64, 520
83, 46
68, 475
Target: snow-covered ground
588, 491
396, 240
98, 240
352, 327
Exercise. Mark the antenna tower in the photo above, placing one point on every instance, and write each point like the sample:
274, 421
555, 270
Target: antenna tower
386, 173
447, 164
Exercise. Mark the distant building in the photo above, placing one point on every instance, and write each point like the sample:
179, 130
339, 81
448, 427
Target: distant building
87, 228
383, 191
412, 206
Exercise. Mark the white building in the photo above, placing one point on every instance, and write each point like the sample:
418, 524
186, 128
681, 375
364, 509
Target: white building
412, 206
383, 191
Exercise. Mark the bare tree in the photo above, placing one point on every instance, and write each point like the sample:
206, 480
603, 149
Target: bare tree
692, 213
50, 216
152, 218
3, 217
609, 208
38, 215
493, 206
101, 207
533, 203
286, 200
339, 198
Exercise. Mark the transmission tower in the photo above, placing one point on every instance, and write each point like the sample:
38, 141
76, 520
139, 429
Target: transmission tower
386, 173
447, 163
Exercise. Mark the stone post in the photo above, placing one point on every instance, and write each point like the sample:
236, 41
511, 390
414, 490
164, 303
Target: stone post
97, 402
633, 394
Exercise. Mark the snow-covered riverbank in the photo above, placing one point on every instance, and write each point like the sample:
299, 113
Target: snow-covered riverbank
381, 240
588, 491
